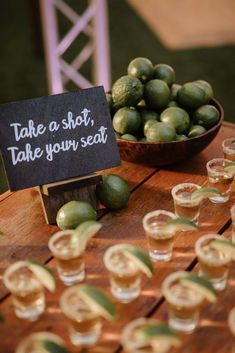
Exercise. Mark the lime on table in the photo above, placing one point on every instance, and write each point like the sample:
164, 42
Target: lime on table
176, 117
53, 347
164, 72
126, 120
127, 91
97, 301
156, 94
207, 116
224, 245
83, 233
113, 192
191, 96
43, 273
204, 193
141, 68
160, 132
201, 285
140, 258
180, 224
71, 214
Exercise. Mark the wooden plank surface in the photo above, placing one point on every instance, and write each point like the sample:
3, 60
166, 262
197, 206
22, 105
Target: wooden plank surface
153, 192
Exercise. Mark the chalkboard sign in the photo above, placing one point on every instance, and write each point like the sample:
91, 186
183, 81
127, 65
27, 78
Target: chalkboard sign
54, 138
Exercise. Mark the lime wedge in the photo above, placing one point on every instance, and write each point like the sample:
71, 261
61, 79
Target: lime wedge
200, 284
224, 245
230, 167
43, 273
53, 347
159, 331
83, 233
140, 258
98, 301
204, 193
180, 224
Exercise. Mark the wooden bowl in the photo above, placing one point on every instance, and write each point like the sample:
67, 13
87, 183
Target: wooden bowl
166, 153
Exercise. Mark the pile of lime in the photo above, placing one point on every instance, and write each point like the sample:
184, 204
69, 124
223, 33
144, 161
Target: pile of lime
148, 105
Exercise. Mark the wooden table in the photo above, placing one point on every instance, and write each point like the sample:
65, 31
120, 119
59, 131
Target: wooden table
27, 235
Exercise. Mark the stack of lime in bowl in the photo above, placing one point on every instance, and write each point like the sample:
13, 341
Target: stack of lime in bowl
147, 104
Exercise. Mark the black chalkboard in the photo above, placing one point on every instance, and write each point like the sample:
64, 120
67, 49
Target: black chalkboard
54, 138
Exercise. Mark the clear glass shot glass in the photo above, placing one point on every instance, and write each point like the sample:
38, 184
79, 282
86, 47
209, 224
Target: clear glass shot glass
213, 263
124, 275
34, 343
184, 303
27, 291
232, 211
69, 259
160, 239
229, 148
185, 207
219, 178
84, 324
132, 341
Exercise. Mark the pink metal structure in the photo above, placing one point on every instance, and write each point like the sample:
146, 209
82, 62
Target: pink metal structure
94, 24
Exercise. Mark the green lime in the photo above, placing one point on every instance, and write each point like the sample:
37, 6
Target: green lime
113, 191
160, 132
142, 139
224, 245
156, 94
191, 96
158, 331
180, 224
164, 72
147, 115
129, 137
172, 104
53, 347
71, 214
117, 135
126, 120
204, 193
83, 233
201, 285
181, 137
97, 300
147, 125
196, 130
174, 90
206, 116
142, 104
43, 273
176, 117
109, 100
142, 68
230, 167
140, 258
207, 88
127, 91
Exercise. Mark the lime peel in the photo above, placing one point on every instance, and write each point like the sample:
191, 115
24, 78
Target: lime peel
43, 273
159, 331
224, 245
83, 233
204, 193
181, 224
230, 167
53, 347
200, 284
98, 301
140, 258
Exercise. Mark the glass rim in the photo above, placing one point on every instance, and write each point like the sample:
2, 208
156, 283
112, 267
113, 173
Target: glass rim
57, 235
10, 269
108, 253
229, 139
214, 160
155, 213
21, 348
200, 253
183, 185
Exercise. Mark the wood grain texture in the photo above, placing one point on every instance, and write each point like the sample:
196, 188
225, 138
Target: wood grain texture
153, 192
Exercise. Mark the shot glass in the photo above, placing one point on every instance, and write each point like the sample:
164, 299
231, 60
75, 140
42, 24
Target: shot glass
124, 275
184, 303
133, 341
213, 263
229, 148
185, 207
160, 239
84, 324
34, 343
232, 211
27, 291
70, 261
220, 178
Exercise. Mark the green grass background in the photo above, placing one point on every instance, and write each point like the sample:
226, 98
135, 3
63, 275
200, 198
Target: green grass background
22, 64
